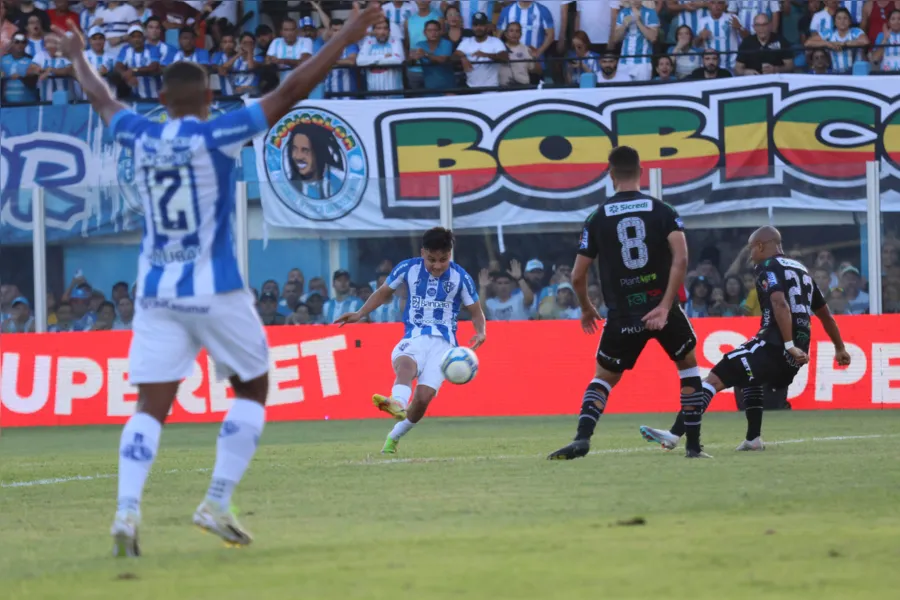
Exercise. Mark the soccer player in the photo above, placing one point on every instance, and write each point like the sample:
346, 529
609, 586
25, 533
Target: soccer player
190, 293
789, 298
436, 289
643, 266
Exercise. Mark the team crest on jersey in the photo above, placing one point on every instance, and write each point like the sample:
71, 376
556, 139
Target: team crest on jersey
448, 286
125, 162
316, 164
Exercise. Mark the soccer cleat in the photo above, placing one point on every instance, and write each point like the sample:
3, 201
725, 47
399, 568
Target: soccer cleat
666, 439
211, 517
576, 449
754, 445
390, 405
125, 534
696, 454
390, 446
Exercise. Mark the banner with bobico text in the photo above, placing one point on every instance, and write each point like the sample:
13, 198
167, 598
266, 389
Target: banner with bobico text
326, 372
788, 141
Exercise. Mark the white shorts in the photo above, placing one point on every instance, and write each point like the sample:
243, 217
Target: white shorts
169, 333
427, 351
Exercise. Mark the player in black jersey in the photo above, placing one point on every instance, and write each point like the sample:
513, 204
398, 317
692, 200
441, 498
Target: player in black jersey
643, 262
789, 298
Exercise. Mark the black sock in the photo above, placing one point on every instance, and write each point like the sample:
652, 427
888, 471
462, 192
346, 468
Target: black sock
753, 409
678, 426
692, 413
592, 405
693, 382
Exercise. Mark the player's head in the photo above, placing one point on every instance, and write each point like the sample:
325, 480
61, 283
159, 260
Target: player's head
289, 31
340, 281
625, 168
187, 40
153, 29
381, 30
186, 90
437, 244
764, 243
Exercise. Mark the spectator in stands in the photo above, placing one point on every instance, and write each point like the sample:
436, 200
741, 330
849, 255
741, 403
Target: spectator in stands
434, 54
342, 78
505, 305
733, 295
270, 286
187, 48
520, 70
384, 54
309, 31
637, 28
595, 18
688, 57
876, 17
844, 41
710, 68
290, 298
300, 316
25, 10
316, 284
888, 58
390, 311
61, 14
688, 13
609, 69
820, 62
153, 32
106, 317
315, 303
343, 301
595, 295
125, 313
562, 305
14, 68
8, 293
65, 319
454, 32
699, 297
142, 8
245, 80
748, 10
264, 38
20, 320
7, 29
764, 53
295, 275
582, 58
290, 49
852, 284
837, 301
665, 69
363, 291
825, 260
89, 12
535, 26
139, 65
855, 8
415, 35
891, 298
97, 57
396, 13
268, 309
35, 34
722, 32
52, 71
822, 23
481, 55
822, 277
117, 20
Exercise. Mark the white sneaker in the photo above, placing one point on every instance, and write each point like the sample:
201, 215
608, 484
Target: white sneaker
211, 517
755, 445
663, 437
124, 532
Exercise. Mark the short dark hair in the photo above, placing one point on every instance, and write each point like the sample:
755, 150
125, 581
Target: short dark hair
501, 275
264, 30
105, 304
189, 30
120, 284
341, 22
438, 239
247, 34
432, 22
181, 73
624, 162
154, 19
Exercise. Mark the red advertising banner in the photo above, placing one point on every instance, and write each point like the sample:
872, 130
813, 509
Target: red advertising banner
326, 372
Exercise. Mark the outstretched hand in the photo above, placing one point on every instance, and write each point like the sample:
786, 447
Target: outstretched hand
351, 317
70, 43
589, 319
361, 20
477, 340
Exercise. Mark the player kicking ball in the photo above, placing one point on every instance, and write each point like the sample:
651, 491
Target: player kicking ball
789, 298
190, 294
436, 290
643, 262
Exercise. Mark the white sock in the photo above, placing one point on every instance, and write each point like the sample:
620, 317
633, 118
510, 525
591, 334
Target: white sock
137, 450
235, 448
401, 429
402, 393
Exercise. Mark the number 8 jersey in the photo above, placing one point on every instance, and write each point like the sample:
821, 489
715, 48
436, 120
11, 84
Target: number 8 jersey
790, 277
185, 172
630, 235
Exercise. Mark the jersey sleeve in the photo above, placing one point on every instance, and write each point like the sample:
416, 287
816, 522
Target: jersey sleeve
818, 299
770, 278
398, 275
671, 221
588, 245
127, 125
229, 132
468, 291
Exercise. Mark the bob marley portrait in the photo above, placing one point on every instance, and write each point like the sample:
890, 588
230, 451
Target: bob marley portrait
315, 161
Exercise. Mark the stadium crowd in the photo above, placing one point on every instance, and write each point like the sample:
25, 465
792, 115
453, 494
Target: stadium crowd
438, 46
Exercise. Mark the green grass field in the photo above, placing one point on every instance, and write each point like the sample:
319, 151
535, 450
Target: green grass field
471, 510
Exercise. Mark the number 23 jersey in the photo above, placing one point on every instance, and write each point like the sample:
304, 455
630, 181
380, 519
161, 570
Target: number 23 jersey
629, 233
790, 277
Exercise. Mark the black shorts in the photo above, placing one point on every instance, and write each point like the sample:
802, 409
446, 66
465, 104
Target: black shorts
624, 337
756, 362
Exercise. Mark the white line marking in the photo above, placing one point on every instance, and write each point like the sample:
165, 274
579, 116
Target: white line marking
445, 459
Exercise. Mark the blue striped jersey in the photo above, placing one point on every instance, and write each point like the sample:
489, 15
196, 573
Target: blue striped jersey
686, 62
147, 85
35, 47
398, 15
86, 19
185, 173
230, 83
591, 59
387, 313
468, 8
49, 86
333, 308
374, 53
343, 79
724, 38
842, 60
821, 23
856, 9
198, 56
691, 18
634, 44
433, 304
746, 10
891, 59
281, 49
166, 52
534, 21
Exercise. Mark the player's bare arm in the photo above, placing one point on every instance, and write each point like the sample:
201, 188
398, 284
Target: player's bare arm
784, 321
656, 319
376, 299
589, 314
480, 323
841, 356
307, 76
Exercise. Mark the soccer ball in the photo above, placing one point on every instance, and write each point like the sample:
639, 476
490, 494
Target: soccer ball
459, 365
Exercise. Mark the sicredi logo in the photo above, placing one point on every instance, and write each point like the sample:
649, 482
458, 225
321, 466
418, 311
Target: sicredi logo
619, 208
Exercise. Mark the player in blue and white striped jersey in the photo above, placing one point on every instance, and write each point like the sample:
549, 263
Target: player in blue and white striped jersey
188, 50
889, 57
343, 77
53, 71
380, 50
436, 290
190, 293
845, 42
139, 64
720, 31
290, 49
153, 32
535, 20
746, 11
97, 57
638, 28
